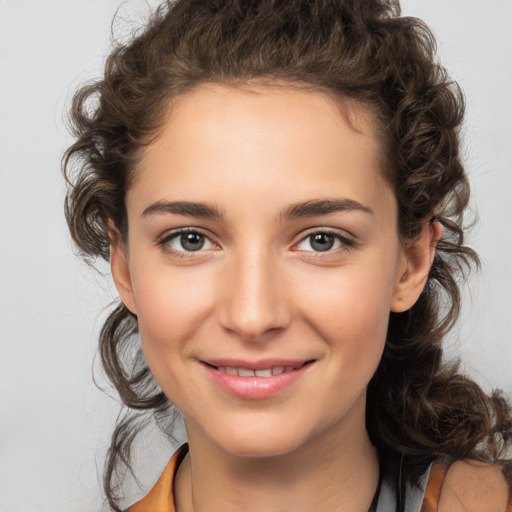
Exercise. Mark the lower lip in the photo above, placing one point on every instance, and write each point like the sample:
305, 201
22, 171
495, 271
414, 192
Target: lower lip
255, 388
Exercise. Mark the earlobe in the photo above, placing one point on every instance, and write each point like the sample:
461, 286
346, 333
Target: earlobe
419, 256
120, 270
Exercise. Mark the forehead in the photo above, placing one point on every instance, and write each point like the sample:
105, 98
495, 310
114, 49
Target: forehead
271, 140
281, 107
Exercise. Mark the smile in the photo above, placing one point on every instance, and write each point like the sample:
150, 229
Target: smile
247, 372
256, 381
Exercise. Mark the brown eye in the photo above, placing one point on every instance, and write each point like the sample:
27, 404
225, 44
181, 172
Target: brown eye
322, 241
187, 241
192, 241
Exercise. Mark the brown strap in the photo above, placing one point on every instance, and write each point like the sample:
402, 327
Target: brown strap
434, 486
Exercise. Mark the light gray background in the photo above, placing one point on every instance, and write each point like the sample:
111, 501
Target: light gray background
54, 423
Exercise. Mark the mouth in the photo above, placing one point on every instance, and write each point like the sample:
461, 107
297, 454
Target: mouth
255, 381
261, 372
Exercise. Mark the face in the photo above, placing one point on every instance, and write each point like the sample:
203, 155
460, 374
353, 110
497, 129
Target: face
262, 263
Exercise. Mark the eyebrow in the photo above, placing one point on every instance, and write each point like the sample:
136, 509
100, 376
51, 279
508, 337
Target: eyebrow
323, 207
190, 208
297, 210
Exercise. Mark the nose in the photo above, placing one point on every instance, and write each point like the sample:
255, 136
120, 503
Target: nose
254, 300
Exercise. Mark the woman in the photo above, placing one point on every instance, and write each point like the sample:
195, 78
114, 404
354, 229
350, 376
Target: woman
277, 186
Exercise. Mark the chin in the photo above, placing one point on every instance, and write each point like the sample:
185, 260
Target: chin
260, 447
262, 439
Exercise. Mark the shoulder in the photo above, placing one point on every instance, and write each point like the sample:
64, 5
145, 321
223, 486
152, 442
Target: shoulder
471, 486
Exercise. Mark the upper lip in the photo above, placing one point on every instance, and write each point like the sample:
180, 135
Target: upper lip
256, 365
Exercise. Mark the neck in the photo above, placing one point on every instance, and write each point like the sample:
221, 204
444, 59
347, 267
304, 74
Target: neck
336, 471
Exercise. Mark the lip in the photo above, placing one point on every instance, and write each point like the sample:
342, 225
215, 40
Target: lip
254, 387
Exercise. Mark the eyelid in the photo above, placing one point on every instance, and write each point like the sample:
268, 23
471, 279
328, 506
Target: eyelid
163, 241
346, 239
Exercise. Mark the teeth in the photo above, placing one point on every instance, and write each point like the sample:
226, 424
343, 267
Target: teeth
246, 372
263, 373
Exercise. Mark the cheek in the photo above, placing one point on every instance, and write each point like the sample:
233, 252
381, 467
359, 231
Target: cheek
170, 308
351, 312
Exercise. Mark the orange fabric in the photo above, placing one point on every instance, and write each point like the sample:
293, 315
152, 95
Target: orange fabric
434, 487
161, 497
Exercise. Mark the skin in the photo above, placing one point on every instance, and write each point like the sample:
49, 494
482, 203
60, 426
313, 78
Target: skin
471, 486
259, 288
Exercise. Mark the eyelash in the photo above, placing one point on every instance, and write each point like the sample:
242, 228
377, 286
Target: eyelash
345, 242
166, 239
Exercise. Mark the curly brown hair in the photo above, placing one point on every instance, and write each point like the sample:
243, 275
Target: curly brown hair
419, 407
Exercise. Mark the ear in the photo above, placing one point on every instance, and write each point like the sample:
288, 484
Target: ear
412, 276
120, 268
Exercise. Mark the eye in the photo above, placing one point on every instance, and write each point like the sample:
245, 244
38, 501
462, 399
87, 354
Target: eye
187, 241
323, 241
